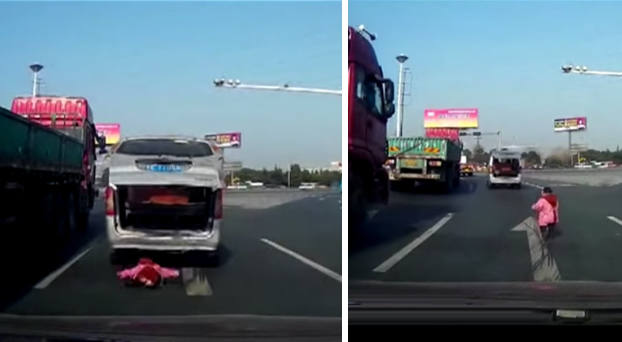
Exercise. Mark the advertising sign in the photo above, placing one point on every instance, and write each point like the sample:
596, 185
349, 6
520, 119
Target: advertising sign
447, 133
112, 132
232, 166
451, 118
233, 140
570, 124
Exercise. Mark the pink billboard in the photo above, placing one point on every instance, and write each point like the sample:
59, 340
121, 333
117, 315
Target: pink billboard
446, 133
451, 118
112, 132
233, 140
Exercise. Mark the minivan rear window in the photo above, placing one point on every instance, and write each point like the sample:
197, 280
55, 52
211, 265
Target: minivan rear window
169, 147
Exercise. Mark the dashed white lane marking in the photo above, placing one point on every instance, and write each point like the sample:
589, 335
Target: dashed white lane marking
615, 219
543, 264
304, 260
195, 282
52, 276
372, 213
534, 185
385, 266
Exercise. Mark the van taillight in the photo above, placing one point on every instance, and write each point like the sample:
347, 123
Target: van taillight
110, 201
218, 209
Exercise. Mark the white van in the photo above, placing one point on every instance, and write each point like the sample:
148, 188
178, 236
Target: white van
504, 168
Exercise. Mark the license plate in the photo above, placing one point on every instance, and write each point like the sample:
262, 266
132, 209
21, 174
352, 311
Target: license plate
164, 168
412, 163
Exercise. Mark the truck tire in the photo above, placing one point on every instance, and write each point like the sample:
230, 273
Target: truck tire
82, 209
71, 213
357, 200
448, 185
58, 218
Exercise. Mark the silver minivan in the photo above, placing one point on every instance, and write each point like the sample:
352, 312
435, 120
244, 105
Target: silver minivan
504, 169
164, 193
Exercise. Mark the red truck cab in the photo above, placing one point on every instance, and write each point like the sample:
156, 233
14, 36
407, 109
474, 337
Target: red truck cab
72, 116
370, 105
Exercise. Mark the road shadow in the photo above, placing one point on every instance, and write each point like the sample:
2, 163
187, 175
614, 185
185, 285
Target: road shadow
467, 186
394, 222
27, 257
178, 260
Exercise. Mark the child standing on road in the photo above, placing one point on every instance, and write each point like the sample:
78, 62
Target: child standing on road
548, 211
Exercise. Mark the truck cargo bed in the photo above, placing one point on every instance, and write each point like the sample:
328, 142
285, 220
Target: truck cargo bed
28, 146
426, 148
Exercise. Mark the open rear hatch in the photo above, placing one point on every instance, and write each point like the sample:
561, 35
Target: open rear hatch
143, 207
506, 168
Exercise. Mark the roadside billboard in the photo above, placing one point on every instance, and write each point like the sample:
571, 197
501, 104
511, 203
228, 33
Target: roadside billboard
234, 166
447, 133
232, 140
451, 118
570, 124
112, 132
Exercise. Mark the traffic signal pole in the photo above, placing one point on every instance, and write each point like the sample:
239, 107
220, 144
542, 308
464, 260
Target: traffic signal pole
479, 134
236, 84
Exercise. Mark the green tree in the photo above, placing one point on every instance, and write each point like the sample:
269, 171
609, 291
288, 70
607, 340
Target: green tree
531, 158
468, 154
296, 177
479, 155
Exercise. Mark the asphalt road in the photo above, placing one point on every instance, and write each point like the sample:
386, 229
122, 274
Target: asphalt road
258, 274
476, 234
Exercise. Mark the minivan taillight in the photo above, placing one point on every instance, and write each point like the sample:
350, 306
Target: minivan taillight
110, 210
218, 209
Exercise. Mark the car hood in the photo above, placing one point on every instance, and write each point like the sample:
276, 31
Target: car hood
177, 328
566, 294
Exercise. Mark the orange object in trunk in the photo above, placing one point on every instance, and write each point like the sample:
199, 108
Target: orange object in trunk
168, 199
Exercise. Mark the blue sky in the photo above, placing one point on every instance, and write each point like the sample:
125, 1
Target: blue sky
150, 66
504, 58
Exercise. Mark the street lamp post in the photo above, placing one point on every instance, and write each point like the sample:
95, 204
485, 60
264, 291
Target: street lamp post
400, 95
35, 81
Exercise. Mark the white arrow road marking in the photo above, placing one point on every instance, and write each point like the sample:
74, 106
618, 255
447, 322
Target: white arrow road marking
195, 282
304, 260
52, 276
543, 264
385, 266
615, 219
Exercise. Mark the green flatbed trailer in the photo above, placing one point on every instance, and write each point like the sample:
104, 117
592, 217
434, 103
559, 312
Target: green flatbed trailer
27, 147
40, 176
427, 160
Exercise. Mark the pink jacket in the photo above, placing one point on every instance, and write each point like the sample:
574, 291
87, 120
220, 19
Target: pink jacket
147, 272
546, 212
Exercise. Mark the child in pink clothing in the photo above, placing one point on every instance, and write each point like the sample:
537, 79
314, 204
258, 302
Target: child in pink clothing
548, 210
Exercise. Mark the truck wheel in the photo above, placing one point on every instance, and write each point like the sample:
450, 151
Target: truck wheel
82, 209
58, 218
357, 201
71, 211
83, 221
448, 185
